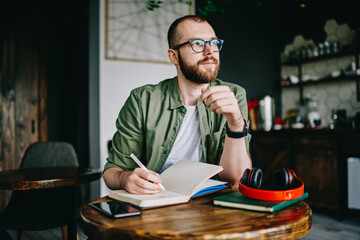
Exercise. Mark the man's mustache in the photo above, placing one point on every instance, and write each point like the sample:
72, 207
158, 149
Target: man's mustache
211, 58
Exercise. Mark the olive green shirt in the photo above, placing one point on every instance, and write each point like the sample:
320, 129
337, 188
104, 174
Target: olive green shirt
150, 120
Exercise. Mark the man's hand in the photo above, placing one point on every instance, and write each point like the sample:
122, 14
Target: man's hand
140, 181
222, 100
137, 181
234, 158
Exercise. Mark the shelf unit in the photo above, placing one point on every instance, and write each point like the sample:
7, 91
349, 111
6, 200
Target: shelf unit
299, 63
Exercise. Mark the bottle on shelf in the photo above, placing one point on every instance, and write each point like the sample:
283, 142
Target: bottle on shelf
313, 115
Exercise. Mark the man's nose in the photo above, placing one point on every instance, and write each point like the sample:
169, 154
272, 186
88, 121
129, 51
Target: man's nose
208, 49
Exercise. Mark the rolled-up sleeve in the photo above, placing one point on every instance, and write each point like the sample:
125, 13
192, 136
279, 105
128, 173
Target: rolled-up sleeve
129, 135
240, 94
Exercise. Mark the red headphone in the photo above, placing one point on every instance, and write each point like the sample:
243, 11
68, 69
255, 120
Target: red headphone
287, 185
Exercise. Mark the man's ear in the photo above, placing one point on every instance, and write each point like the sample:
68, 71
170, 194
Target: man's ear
173, 56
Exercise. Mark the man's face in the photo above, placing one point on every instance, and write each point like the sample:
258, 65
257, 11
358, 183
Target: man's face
197, 67
196, 72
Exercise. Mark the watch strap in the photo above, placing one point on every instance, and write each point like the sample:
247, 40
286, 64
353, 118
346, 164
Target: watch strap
232, 134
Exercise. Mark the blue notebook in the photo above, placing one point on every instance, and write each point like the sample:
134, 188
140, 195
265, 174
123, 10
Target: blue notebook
209, 190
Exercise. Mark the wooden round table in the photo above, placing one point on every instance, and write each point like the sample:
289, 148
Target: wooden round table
199, 219
51, 177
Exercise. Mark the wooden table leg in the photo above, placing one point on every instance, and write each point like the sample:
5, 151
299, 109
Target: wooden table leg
72, 231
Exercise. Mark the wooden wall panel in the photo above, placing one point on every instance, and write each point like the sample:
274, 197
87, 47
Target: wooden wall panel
26, 85
23, 98
7, 109
7, 103
43, 113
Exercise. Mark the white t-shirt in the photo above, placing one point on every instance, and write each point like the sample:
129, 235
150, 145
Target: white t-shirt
188, 141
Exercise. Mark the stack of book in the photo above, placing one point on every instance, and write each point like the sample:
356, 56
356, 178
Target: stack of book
238, 200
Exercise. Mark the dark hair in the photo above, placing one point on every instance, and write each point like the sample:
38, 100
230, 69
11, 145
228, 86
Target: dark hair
173, 35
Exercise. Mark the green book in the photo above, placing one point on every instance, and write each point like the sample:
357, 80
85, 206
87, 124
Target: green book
238, 200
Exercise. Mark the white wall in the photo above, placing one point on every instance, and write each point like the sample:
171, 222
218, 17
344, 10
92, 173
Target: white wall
117, 79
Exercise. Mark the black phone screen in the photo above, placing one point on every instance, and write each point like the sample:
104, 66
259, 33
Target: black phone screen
116, 209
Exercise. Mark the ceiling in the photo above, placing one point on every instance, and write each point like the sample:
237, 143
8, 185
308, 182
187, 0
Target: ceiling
308, 17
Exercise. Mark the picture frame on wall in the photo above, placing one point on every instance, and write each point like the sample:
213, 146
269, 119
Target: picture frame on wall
137, 30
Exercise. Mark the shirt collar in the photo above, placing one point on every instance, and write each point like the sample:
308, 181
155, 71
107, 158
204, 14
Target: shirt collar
175, 97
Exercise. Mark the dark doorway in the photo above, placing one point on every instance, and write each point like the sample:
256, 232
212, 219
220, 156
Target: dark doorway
43, 77
65, 26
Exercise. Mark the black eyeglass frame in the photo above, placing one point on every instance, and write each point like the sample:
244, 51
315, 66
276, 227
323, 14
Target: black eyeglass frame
191, 41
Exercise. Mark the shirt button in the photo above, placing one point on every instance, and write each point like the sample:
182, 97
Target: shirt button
176, 127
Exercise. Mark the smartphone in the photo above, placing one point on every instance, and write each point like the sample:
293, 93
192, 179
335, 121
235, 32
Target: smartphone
116, 209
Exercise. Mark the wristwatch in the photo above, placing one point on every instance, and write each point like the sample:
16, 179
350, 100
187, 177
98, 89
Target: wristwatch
232, 134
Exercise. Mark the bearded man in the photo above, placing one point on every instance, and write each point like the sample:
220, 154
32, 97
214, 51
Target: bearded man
192, 116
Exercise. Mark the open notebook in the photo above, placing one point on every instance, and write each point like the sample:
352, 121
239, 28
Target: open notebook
183, 180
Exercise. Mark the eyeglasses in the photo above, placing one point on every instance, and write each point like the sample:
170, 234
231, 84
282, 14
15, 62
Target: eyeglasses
199, 45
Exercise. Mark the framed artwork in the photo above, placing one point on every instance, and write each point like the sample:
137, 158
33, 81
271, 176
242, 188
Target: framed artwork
136, 30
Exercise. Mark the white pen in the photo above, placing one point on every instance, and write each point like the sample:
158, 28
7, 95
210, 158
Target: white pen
143, 167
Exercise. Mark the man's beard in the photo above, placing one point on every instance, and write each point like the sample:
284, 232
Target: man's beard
193, 74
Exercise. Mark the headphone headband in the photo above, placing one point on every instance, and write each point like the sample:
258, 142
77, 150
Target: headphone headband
273, 195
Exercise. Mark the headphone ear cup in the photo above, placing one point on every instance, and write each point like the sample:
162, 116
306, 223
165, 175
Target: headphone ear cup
282, 179
256, 176
244, 178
